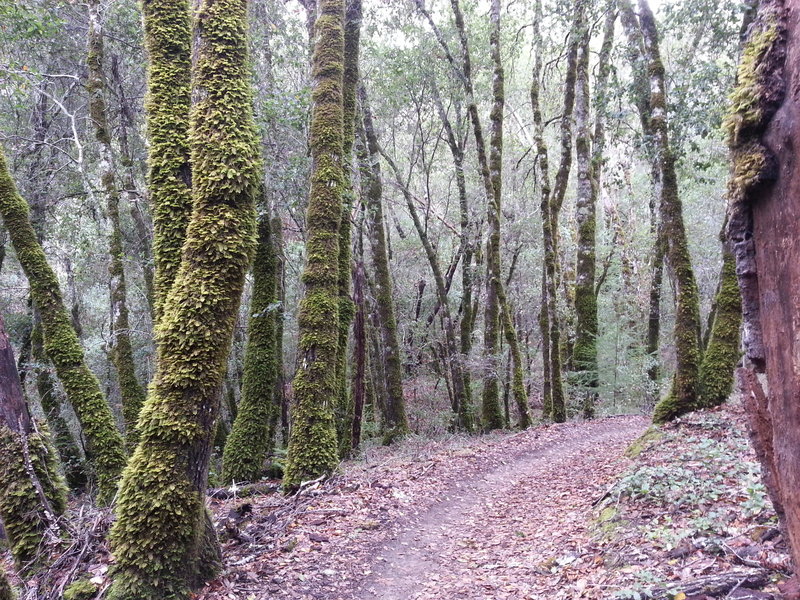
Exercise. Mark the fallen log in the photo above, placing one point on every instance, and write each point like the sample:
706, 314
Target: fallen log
243, 491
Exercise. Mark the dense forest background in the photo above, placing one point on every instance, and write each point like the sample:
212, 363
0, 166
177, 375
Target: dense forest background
57, 163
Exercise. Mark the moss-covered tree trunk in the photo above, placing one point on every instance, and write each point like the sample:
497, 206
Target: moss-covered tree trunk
396, 423
585, 348
492, 416
313, 449
517, 372
34, 493
281, 413
352, 34
456, 142
724, 344
683, 397
50, 399
554, 404
161, 540
131, 392
104, 445
249, 441
168, 42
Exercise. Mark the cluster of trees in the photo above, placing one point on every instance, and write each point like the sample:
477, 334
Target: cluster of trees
235, 156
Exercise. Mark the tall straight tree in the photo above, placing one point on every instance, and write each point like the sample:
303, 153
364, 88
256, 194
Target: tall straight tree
490, 401
352, 34
160, 539
313, 449
554, 405
131, 391
104, 444
395, 422
585, 349
683, 396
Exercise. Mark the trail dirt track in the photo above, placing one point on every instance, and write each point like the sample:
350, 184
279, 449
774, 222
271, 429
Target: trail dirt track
492, 517
495, 535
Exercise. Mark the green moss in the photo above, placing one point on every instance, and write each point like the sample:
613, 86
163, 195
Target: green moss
22, 511
81, 589
167, 39
723, 352
746, 110
313, 448
63, 440
104, 446
250, 438
644, 441
131, 392
163, 541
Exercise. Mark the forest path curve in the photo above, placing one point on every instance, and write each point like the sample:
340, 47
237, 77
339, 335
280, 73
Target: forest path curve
505, 532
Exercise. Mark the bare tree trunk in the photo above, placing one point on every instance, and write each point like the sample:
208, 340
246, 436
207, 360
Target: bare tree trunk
372, 180
555, 406
131, 391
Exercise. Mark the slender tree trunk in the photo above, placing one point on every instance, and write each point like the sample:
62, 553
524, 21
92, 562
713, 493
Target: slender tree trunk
372, 179
683, 396
723, 350
554, 404
143, 231
161, 504
585, 349
131, 392
360, 339
490, 405
104, 444
313, 447
280, 400
461, 408
34, 493
168, 42
50, 399
467, 234
517, 373
249, 441
352, 33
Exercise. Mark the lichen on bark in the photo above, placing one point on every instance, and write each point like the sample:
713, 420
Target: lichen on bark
163, 541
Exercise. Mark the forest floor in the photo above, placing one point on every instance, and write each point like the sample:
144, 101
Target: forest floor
559, 511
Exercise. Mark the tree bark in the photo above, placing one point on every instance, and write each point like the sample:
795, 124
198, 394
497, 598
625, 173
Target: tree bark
313, 449
104, 445
34, 494
585, 348
161, 504
396, 423
554, 404
131, 391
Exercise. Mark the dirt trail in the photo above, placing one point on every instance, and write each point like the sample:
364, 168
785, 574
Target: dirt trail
501, 533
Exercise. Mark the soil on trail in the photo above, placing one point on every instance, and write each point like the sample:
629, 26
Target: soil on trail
495, 516
497, 534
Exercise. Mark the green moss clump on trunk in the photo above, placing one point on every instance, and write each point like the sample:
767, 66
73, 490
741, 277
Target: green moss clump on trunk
723, 352
163, 541
250, 438
104, 446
